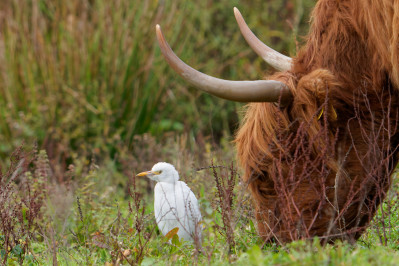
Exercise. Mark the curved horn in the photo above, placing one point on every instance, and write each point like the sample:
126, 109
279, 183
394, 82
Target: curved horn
272, 57
240, 91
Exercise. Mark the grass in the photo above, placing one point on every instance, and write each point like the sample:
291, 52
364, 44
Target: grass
88, 75
67, 67
85, 221
83, 85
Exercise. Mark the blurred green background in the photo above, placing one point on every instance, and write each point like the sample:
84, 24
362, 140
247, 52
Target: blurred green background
84, 86
86, 77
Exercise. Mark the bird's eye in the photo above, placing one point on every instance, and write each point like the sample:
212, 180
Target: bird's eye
160, 172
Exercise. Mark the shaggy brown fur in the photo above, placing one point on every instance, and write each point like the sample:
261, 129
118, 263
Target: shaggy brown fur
322, 165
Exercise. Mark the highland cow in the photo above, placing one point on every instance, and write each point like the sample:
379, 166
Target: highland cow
319, 141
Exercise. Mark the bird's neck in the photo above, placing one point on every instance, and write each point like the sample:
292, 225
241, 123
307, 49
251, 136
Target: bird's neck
168, 183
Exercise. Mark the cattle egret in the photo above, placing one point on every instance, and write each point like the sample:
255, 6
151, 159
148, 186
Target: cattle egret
175, 205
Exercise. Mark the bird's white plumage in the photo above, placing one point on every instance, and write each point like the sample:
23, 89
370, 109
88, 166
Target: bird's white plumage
175, 205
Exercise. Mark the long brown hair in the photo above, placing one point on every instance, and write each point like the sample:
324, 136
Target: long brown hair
345, 81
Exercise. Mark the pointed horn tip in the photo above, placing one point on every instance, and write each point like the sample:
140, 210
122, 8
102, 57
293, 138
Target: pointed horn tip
236, 12
159, 34
239, 18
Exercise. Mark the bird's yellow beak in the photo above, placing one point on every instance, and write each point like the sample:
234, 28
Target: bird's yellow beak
148, 173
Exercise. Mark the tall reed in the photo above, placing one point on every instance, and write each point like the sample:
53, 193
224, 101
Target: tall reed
84, 74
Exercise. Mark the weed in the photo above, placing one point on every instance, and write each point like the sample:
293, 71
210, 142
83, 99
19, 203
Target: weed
22, 196
225, 200
144, 225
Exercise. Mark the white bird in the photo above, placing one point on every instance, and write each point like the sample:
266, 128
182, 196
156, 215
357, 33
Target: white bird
175, 205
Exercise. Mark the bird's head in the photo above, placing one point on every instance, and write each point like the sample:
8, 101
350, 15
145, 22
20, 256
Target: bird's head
162, 172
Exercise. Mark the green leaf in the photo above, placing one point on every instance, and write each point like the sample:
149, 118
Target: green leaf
176, 240
17, 250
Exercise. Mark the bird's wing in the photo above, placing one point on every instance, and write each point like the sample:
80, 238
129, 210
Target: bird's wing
164, 202
190, 213
190, 202
165, 208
